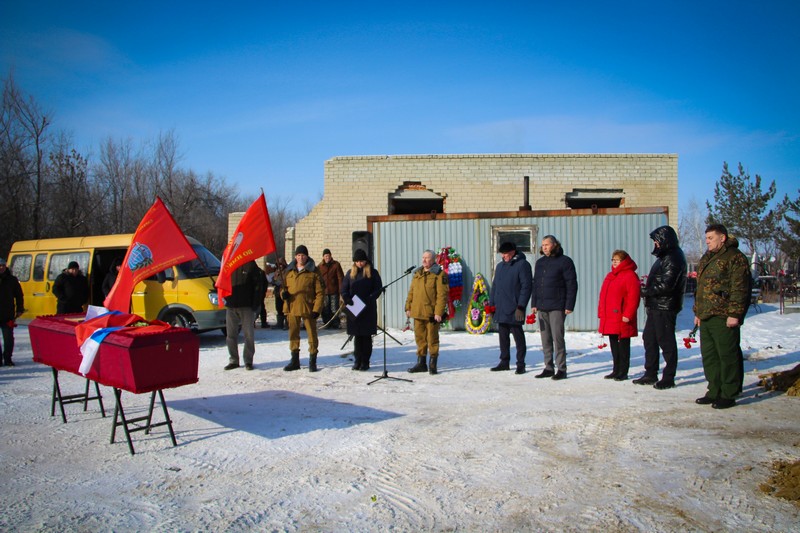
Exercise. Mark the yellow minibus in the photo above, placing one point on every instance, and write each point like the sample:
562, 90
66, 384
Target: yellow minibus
183, 295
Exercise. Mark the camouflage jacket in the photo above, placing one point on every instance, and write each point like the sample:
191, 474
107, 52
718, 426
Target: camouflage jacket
723, 287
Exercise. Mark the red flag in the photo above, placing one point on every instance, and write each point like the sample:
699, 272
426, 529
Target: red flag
252, 239
157, 244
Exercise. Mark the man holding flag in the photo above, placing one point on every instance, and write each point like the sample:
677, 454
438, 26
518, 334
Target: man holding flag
240, 313
237, 284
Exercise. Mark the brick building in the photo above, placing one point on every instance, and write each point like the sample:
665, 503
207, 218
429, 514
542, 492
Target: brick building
359, 186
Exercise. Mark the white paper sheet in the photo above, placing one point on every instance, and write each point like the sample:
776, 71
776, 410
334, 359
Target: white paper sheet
357, 307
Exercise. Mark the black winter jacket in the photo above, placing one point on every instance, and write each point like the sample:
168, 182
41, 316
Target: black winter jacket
368, 290
71, 292
11, 298
245, 287
555, 283
666, 283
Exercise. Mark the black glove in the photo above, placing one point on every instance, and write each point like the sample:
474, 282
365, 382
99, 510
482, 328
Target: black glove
314, 315
348, 301
284, 295
519, 314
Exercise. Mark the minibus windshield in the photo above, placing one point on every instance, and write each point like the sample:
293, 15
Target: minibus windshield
195, 269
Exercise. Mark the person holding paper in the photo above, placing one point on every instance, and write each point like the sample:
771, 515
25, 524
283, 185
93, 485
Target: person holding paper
360, 289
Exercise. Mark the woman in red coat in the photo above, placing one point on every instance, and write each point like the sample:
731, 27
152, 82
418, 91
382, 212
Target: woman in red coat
619, 302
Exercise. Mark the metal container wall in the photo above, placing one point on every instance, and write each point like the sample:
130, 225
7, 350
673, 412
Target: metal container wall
588, 239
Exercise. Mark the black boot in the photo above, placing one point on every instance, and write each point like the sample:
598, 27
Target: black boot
365, 363
356, 362
420, 366
312, 362
432, 366
294, 364
503, 365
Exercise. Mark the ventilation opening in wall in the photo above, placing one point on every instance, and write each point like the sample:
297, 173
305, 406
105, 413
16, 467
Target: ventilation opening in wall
413, 198
589, 198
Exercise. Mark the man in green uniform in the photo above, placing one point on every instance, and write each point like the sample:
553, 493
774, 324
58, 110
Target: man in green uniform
723, 295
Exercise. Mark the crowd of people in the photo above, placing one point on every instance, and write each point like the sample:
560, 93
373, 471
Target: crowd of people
305, 291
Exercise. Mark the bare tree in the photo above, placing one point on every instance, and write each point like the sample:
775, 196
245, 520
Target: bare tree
692, 231
27, 124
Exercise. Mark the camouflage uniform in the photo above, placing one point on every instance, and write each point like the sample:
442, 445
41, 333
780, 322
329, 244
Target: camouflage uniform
723, 290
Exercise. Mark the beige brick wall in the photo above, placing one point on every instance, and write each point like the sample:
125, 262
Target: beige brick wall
358, 186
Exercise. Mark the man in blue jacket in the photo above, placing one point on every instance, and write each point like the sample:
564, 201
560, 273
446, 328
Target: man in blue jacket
511, 290
555, 288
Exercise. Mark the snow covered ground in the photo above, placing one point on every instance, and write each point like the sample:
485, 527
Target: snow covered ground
466, 450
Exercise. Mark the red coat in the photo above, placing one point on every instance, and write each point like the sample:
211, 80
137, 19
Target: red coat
619, 296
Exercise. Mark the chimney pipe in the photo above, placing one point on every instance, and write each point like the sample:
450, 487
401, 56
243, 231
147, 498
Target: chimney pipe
525, 190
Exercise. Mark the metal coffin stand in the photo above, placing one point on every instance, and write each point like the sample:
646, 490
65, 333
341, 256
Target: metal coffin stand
131, 360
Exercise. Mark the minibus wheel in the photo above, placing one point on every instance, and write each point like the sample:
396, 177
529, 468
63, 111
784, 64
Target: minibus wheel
178, 319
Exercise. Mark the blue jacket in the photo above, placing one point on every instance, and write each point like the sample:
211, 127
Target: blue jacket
555, 283
511, 288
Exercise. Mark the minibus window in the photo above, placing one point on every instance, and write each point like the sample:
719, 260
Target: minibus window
59, 263
21, 267
38, 267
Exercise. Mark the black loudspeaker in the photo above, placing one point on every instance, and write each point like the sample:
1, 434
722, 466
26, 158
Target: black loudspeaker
362, 240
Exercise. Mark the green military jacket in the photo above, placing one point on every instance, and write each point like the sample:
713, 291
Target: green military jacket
723, 285
427, 295
305, 288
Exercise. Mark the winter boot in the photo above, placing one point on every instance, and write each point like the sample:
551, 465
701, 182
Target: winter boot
312, 362
356, 362
294, 364
420, 366
365, 363
432, 366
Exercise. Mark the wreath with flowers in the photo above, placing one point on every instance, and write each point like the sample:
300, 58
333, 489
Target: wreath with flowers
477, 319
450, 261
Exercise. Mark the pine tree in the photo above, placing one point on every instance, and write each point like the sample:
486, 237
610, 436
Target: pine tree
788, 235
742, 207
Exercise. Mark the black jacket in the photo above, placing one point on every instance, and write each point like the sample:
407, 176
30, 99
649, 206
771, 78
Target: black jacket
245, 287
368, 290
555, 282
11, 299
666, 283
71, 291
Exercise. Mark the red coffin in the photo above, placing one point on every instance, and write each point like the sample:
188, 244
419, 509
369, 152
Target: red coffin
127, 360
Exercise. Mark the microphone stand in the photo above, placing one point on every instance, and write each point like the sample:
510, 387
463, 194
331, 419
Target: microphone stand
385, 374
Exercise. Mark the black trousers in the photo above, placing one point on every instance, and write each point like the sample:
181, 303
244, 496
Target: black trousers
620, 354
659, 333
8, 342
505, 342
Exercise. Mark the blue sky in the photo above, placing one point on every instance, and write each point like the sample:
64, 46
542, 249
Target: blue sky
263, 93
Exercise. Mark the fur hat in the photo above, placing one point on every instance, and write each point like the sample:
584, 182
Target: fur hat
301, 250
360, 255
507, 247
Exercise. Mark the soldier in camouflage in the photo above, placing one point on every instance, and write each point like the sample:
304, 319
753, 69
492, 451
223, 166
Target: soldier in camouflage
723, 295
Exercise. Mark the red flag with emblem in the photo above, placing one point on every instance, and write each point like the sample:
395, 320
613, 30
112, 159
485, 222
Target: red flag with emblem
252, 239
157, 244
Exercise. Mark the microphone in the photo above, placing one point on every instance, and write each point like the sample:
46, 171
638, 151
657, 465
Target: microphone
409, 269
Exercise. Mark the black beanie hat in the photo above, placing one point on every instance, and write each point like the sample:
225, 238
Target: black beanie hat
360, 255
301, 250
